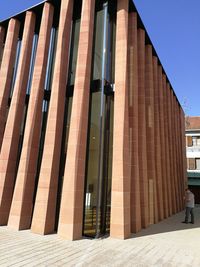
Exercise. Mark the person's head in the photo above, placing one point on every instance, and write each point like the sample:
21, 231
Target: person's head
187, 189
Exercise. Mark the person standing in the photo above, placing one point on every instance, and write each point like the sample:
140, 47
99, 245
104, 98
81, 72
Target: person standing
189, 206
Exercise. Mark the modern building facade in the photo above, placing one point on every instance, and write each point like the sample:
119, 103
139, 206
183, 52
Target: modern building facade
193, 154
91, 132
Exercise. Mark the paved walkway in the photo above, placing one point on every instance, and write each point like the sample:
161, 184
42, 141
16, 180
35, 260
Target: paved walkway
167, 244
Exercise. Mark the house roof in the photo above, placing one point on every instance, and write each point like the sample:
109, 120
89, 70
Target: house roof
192, 123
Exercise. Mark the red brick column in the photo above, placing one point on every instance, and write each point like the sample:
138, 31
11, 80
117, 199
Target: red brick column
166, 124
165, 157
174, 152
163, 149
178, 151
144, 193
22, 203
120, 199
6, 71
184, 161
150, 135
174, 183
9, 149
71, 211
170, 147
179, 131
45, 205
157, 130
133, 122
172, 186
2, 35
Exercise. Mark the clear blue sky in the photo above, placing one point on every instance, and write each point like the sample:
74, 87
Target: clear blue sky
174, 28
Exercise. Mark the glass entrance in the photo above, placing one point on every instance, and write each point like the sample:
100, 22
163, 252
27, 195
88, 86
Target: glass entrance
98, 189
96, 220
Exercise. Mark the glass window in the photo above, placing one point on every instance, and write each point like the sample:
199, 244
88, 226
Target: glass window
189, 141
197, 164
98, 189
51, 58
32, 63
92, 166
74, 51
15, 66
99, 147
98, 46
1, 53
196, 141
191, 164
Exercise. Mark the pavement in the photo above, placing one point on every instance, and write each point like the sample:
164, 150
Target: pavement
169, 243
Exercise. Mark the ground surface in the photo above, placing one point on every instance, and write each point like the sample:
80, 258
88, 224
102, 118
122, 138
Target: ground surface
167, 244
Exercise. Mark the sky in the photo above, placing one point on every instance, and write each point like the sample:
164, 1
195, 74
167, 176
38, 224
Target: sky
174, 29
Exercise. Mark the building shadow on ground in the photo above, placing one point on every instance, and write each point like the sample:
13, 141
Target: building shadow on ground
173, 223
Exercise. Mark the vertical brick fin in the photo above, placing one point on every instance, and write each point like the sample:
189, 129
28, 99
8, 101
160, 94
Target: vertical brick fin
45, 205
172, 187
133, 122
9, 149
169, 131
184, 160
6, 71
166, 144
158, 163
144, 193
173, 156
149, 100
174, 152
22, 203
71, 211
162, 135
177, 152
183, 155
178, 147
2, 35
166, 160
120, 225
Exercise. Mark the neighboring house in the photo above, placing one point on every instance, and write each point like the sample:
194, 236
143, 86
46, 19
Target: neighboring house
193, 154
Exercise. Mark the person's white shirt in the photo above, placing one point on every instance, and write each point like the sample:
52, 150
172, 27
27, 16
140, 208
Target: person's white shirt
189, 199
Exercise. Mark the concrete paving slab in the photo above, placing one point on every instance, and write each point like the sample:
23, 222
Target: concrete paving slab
166, 244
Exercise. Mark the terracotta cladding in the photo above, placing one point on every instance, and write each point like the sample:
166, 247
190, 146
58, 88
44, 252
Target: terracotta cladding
148, 166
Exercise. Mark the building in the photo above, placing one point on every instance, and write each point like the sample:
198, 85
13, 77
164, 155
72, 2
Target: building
193, 154
92, 134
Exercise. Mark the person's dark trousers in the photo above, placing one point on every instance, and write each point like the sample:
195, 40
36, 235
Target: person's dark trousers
188, 212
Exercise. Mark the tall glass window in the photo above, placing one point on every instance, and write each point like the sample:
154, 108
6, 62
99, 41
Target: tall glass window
1, 54
74, 51
15, 67
51, 58
32, 63
98, 189
99, 148
98, 45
